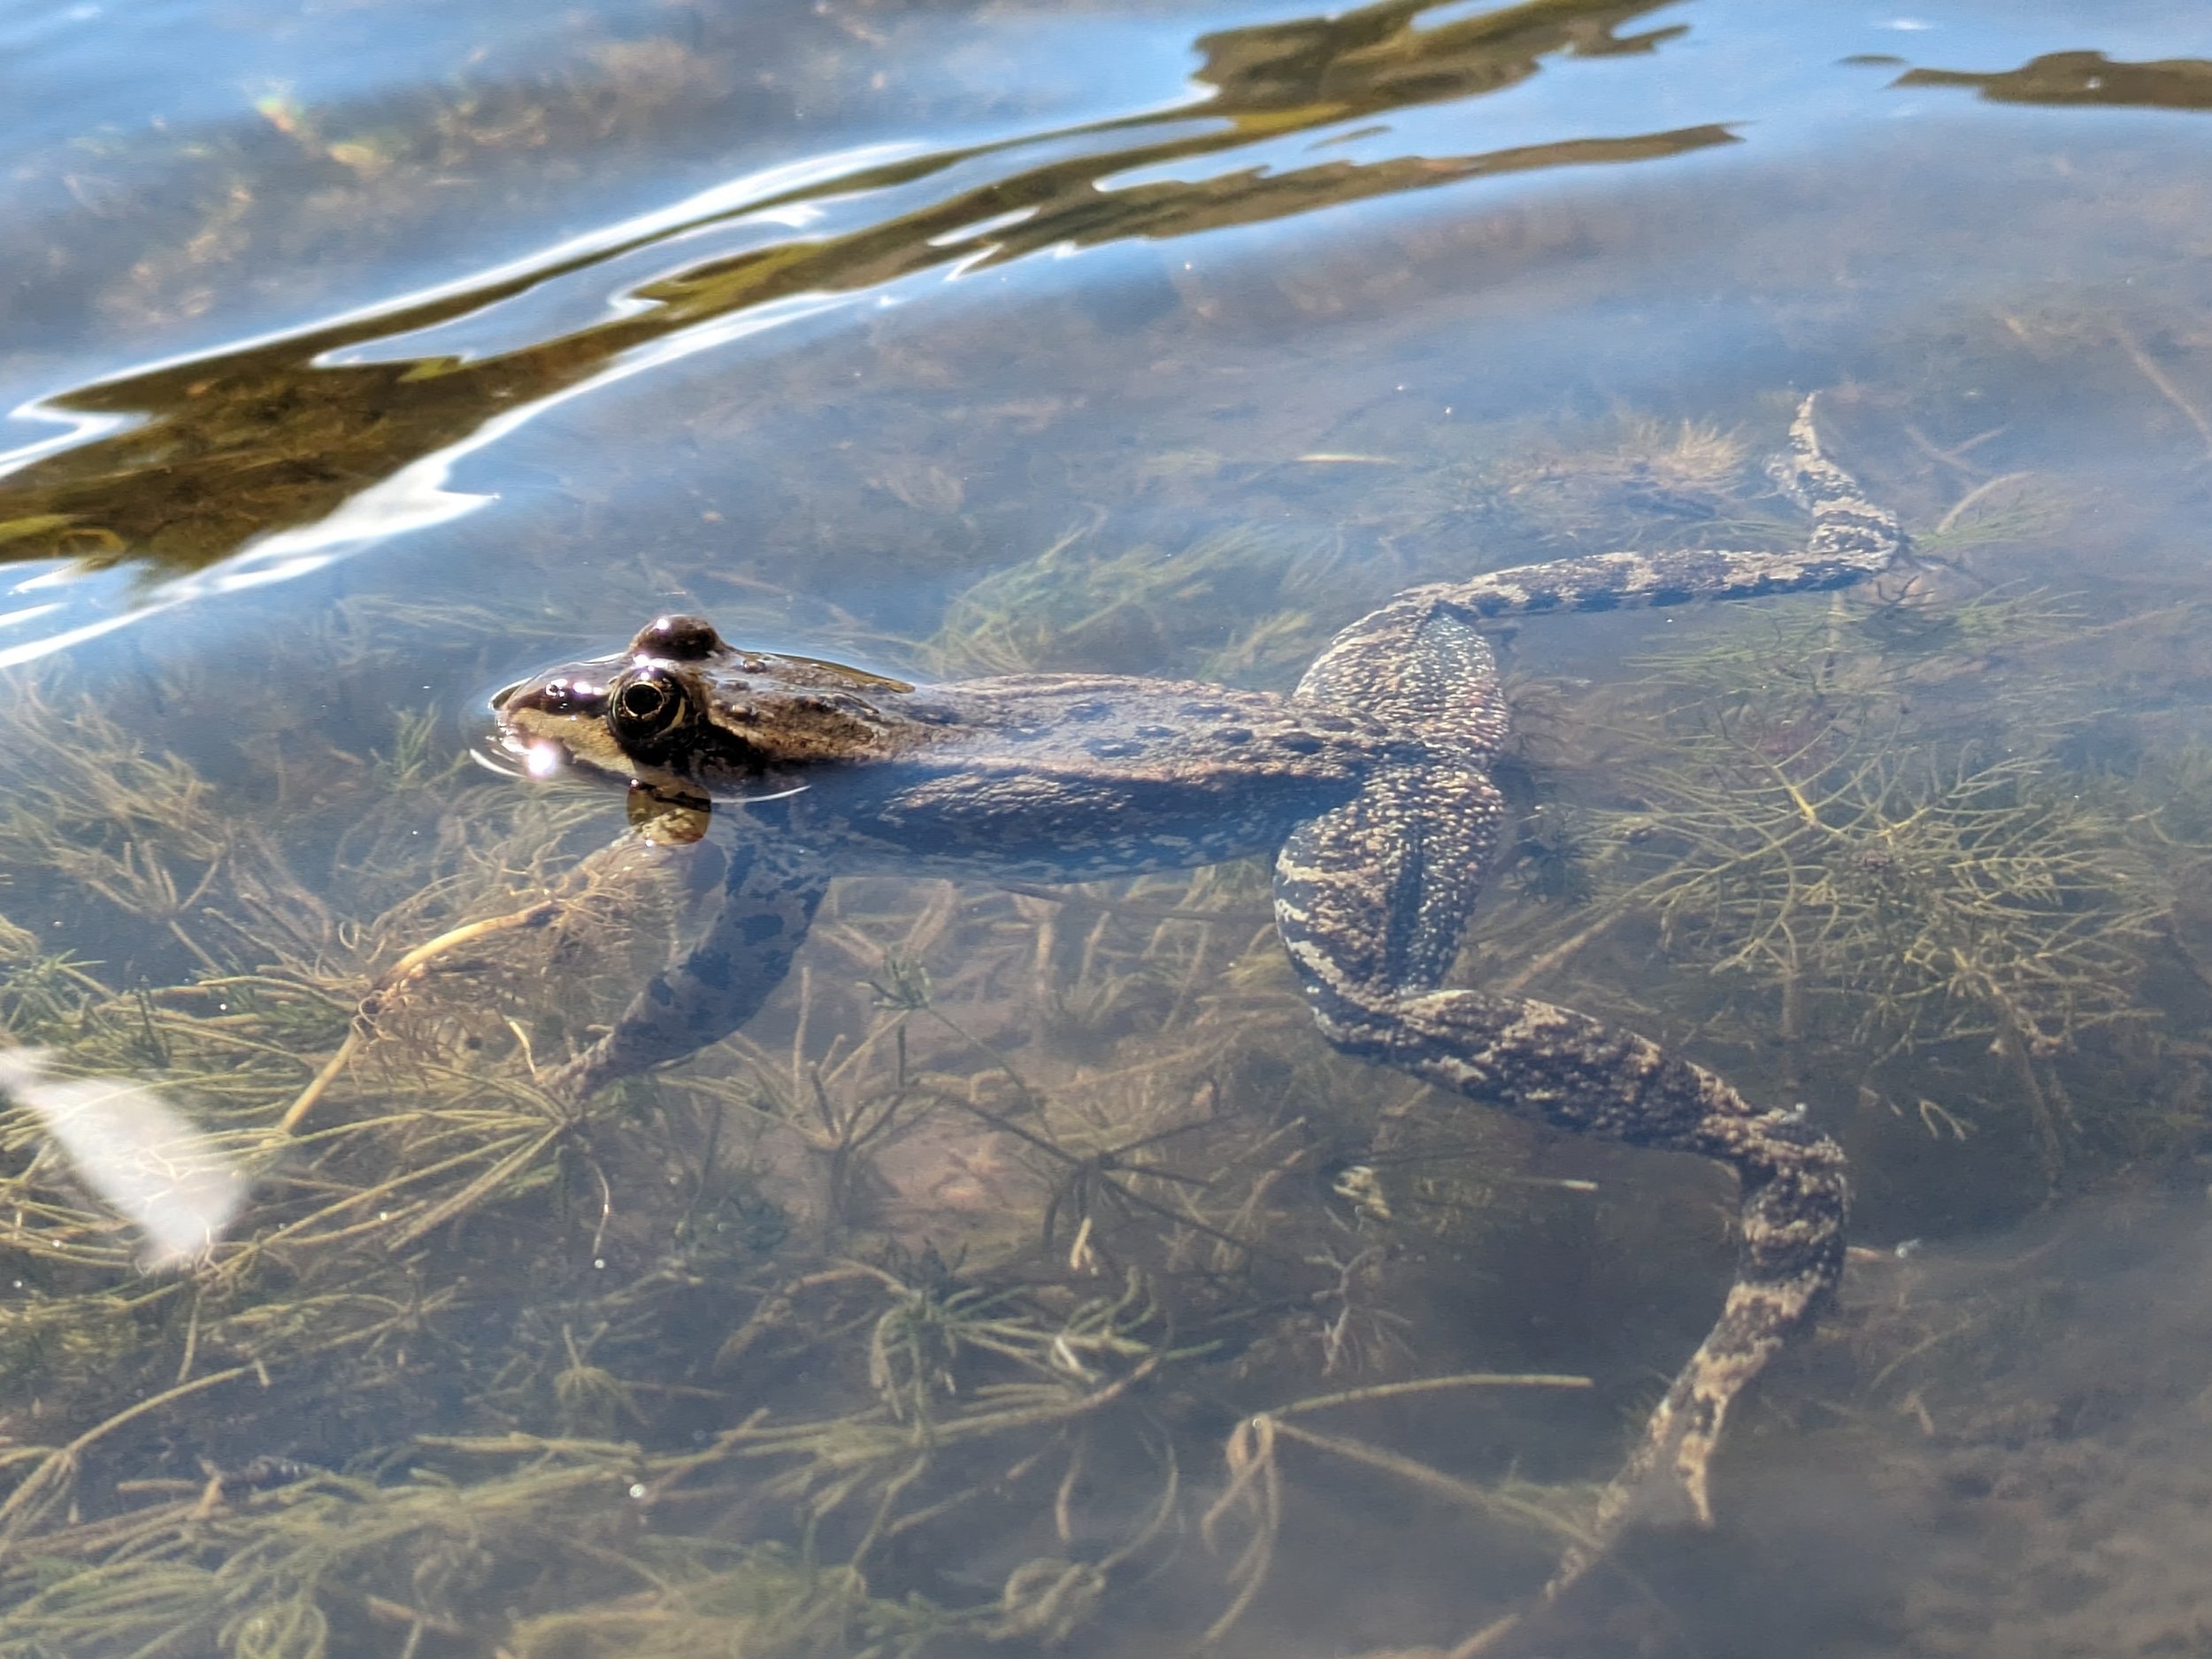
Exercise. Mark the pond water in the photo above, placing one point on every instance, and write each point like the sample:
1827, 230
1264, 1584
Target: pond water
1029, 1275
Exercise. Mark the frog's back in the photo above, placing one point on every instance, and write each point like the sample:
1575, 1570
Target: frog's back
1061, 775
1163, 730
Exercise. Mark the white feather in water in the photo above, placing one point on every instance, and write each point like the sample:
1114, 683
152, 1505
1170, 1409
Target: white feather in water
145, 1159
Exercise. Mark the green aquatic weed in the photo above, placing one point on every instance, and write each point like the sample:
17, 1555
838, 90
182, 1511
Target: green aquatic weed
1013, 1239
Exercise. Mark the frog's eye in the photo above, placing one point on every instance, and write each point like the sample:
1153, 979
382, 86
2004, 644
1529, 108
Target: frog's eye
683, 639
647, 707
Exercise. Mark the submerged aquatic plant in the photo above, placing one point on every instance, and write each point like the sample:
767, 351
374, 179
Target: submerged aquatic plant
1923, 897
1028, 1248
482, 1372
1860, 857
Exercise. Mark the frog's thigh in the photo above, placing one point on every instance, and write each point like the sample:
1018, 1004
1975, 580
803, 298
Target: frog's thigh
1420, 665
1371, 898
765, 907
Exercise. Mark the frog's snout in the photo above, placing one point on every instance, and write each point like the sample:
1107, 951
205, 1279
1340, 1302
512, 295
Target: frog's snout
558, 696
547, 722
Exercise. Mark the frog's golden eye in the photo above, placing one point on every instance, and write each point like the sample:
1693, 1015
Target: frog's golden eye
647, 707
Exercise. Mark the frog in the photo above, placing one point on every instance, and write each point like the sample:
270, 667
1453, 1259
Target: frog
1370, 786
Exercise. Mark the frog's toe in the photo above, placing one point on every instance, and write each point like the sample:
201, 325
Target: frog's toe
1668, 1487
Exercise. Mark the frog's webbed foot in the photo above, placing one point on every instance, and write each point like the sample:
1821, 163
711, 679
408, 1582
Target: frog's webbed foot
761, 917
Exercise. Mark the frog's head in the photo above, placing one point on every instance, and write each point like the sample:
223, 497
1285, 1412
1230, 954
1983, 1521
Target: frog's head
687, 716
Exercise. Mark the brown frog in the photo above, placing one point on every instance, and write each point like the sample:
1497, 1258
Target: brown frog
1371, 787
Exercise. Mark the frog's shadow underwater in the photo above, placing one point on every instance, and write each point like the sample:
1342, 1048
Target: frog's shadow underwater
1370, 784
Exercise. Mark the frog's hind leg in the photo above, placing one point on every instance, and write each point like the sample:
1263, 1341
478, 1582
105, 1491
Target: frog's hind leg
761, 917
1417, 661
1572, 1072
1371, 899
1852, 540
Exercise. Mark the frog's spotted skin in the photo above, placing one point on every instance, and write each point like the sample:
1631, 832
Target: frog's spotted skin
1370, 784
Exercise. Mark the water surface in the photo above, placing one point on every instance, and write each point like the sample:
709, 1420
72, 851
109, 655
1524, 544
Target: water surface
365, 357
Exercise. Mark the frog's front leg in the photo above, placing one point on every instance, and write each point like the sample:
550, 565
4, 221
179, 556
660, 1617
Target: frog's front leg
761, 917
